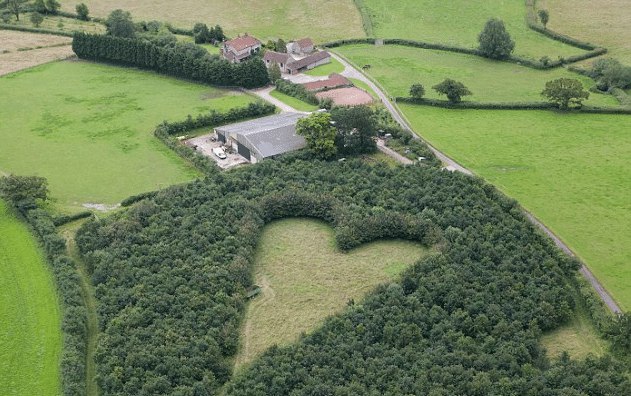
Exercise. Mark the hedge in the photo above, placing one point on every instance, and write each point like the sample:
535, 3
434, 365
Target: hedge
623, 98
61, 220
137, 198
180, 31
297, 91
477, 105
147, 55
365, 16
34, 30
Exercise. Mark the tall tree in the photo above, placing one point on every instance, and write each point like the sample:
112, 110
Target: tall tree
36, 19
14, 7
495, 42
120, 24
356, 129
201, 33
565, 91
52, 6
454, 90
417, 91
274, 72
24, 191
83, 11
281, 46
544, 17
40, 6
319, 134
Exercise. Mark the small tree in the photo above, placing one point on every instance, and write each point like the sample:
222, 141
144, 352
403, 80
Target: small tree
565, 91
216, 34
37, 19
274, 72
454, 90
23, 191
544, 17
319, 134
120, 24
40, 6
355, 129
52, 6
14, 7
83, 11
417, 91
495, 42
201, 33
281, 46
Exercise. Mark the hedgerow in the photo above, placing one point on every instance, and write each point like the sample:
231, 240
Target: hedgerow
297, 91
21, 28
146, 54
171, 275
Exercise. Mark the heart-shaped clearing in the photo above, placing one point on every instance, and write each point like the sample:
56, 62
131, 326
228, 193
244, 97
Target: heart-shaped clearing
304, 279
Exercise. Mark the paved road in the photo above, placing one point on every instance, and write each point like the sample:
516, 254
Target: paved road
264, 93
352, 72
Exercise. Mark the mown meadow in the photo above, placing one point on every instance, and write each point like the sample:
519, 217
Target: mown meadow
88, 128
30, 324
572, 171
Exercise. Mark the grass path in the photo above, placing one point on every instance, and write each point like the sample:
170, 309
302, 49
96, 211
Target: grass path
30, 317
87, 293
304, 279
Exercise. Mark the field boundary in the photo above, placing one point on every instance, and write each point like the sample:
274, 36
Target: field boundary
365, 16
20, 28
527, 62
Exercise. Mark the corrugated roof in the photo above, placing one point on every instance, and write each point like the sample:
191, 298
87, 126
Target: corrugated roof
313, 58
268, 136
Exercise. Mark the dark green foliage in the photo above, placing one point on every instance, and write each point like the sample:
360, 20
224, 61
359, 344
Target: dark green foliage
620, 334
172, 272
280, 46
61, 220
181, 60
356, 129
610, 74
82, 12
417, 91
565, 91
67, 282
319, 134
274, 73
120, 24
544, 17
454, 90
201, 33
296, 90
39, 6
36, 19
477, 105
24, 192
15, 7
495, 42
52, 6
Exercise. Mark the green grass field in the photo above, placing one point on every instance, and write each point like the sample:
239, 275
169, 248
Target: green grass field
30, 319
62, 24
572, 171
334, 67
458, 22
397, 67
293, 102
322, 20
88, 128
304, 279
606, 24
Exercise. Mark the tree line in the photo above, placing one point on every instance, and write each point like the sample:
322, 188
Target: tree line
171, 60
172, 271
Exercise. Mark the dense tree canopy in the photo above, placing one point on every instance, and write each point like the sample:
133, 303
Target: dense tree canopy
24, 191
565, 91
319, 134
454, 90
120, 24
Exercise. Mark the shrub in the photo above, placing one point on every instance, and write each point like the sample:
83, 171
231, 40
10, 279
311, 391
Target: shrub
454, 90
495, 42
296, 90
417, 91
82, 12
565, 91
36, 19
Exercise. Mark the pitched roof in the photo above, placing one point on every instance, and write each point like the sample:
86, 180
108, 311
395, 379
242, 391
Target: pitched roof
304, 42
313, 58
268, 136
277, 57
334, 80
243, 42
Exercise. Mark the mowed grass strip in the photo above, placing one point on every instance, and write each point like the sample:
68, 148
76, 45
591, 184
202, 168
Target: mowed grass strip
398, 67
304, 279
459, 22
88, 128
604, 23
30, 323
293, 102
322, 20
572, 171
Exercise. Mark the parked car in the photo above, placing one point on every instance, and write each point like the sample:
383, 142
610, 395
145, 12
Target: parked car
219, 152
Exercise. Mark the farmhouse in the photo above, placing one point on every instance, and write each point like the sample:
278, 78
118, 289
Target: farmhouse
280, 58
263, 137
241, 48
300, 47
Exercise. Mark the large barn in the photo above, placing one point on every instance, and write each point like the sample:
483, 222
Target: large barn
263, 137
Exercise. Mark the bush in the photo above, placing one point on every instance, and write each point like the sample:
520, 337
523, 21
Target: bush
82, 12
495, 42
454, 90
296, 90
61, 220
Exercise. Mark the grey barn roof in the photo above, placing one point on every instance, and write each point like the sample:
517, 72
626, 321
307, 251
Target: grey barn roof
267, 136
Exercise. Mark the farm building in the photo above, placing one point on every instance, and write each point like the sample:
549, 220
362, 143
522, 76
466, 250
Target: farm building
241, 48
289, 65
263, 137
300, 47
335, 80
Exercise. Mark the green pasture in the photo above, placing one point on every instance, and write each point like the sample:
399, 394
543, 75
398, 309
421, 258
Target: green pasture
62, 24
304, 279
398, 67
322, 20
88, 128
324, 70
293, 102
571, 171
459, 22
30, 318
